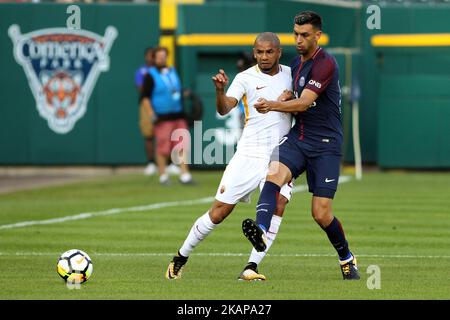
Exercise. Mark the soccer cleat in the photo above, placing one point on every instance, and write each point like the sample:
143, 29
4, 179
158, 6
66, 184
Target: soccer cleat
349, 269
254, 234
175, 267
250, 273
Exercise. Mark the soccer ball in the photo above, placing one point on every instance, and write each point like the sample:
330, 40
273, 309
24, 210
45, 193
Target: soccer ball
74, 266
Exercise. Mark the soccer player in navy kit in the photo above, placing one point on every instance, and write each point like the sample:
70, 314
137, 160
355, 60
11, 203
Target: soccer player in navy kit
312, 145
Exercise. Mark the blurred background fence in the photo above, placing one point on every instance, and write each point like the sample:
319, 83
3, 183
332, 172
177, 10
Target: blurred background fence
402, 70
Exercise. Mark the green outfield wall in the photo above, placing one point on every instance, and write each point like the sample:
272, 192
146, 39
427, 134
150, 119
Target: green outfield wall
404, 105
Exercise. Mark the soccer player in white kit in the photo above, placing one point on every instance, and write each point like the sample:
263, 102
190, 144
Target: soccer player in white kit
248, 168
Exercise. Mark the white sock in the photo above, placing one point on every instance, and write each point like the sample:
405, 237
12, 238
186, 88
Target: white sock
163, 178
185, 177
201, 228
256, 256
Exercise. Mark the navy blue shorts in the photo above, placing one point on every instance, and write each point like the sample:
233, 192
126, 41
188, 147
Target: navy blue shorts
322, 168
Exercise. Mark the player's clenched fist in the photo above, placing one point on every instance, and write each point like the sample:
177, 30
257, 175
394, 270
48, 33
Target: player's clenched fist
220, 80
263, 105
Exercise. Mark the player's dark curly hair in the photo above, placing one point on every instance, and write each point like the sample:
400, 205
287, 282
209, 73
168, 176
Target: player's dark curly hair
309, 17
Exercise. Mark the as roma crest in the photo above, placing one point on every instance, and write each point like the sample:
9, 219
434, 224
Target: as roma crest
62, 66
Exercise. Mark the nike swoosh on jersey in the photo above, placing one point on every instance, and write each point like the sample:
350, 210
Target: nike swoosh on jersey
329, 180
259, 88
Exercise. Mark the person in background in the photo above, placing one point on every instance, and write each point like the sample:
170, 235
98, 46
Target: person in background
145, 114
146, 121
161, 95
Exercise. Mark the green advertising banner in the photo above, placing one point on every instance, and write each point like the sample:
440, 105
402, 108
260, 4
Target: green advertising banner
68, 95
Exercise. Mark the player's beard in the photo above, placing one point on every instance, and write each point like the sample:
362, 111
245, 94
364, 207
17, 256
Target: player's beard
302, 51
267, 70
307, 51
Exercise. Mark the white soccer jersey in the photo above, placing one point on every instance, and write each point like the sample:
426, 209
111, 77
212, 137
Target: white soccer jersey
262, 132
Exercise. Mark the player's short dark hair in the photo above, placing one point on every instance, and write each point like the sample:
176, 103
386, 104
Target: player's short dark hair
308, 17
268, 36
157, 49
148, 50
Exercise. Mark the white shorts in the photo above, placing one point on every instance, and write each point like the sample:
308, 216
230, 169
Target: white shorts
242, 176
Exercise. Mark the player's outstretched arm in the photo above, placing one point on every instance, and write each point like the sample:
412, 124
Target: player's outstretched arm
223, 103
296, 105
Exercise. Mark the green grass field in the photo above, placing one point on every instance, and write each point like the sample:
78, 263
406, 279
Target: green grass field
397, 221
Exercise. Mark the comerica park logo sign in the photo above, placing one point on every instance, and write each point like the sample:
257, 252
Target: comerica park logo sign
62, 66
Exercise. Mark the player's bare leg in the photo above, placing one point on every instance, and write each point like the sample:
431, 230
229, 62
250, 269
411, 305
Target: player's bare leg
185, 177
278, 173
255, 231
179, 156
321, 209
202, 227
161, 161
250, 272
150, 169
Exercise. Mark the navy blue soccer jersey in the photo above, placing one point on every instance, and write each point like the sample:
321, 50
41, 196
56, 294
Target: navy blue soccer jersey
319, 127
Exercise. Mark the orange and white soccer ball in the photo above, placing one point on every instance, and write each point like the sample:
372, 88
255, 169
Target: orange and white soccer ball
75, 266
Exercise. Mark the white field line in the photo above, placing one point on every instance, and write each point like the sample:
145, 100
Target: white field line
229, 254
155, 206
108, 212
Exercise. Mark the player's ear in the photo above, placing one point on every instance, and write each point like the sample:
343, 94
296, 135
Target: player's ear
318, 35
254, 53
280, 52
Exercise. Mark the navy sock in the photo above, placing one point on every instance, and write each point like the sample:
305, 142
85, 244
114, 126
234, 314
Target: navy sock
337, 238
267, 204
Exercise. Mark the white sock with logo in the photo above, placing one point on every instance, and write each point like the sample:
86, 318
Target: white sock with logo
201, 228
256, 256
